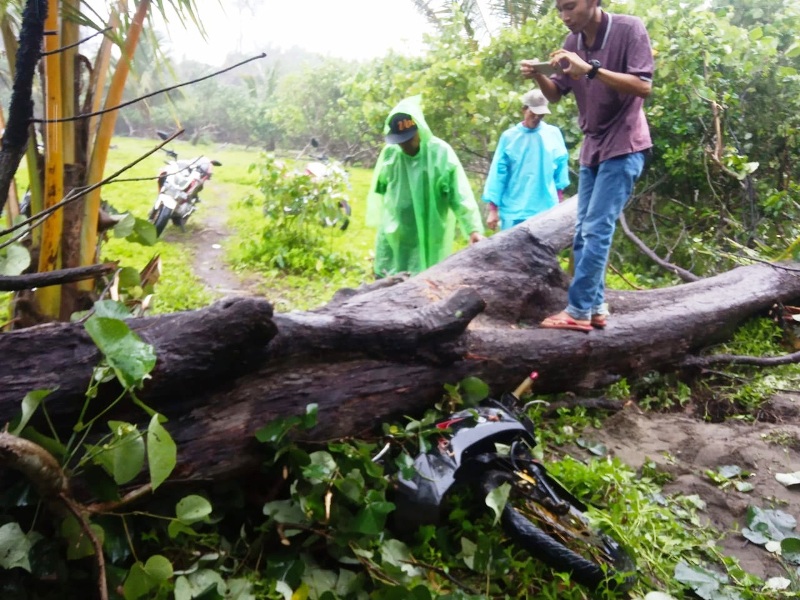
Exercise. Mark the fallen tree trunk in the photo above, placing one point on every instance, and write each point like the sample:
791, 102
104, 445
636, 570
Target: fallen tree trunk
196, 349
386, 350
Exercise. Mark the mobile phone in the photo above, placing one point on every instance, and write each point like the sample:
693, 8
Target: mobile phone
545, 68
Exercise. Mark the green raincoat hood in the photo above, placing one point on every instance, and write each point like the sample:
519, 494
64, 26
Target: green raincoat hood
412, 106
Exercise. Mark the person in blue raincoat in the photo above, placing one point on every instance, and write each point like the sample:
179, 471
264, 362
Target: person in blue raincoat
419, 189
529, 168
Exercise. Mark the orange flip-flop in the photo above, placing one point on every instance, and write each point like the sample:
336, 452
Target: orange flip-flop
564, 321
599, 321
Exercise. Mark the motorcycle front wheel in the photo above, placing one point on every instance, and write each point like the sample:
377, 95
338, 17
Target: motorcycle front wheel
338, 216
180, 221
161, 218
559, 534
344, 208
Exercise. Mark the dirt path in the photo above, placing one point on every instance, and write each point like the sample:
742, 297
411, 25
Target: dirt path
685, 447
206, 239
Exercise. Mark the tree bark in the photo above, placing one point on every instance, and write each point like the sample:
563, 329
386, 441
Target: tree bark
196, 350
27, 281
387, 349
20, 111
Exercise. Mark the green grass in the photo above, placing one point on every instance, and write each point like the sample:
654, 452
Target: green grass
748, 387
179, 288
234, 181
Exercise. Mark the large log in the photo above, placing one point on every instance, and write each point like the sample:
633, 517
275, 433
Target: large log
196, 349
386, 350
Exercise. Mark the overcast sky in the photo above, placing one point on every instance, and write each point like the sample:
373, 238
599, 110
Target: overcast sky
355, 29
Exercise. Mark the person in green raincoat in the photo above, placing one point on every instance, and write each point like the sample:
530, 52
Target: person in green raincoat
419, 189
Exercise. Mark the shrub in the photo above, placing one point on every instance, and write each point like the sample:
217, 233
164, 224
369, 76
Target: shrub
302, 214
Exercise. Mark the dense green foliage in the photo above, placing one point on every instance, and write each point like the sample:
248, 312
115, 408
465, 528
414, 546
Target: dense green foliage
104, 460
724, 182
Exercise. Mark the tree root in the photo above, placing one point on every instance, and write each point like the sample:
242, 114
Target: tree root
77, 511
41, 468
741, 359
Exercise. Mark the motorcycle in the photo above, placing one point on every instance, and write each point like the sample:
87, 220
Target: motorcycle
322, 169
540, 515
179, 185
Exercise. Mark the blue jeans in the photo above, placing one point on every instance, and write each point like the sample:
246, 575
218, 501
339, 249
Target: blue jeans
602, 193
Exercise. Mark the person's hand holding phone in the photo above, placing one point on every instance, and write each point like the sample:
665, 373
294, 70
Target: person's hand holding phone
571, 64
531, 68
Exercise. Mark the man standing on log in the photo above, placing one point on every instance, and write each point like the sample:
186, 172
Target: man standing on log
529, 167
607, 62
418, 190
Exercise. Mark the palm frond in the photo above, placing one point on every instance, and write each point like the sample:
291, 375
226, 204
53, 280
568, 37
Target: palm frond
480, 17
435, 11
514, 13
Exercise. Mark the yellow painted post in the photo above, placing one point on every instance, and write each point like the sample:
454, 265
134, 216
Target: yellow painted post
49, 298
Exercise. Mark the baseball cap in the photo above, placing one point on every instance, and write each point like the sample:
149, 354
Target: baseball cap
536, 101
401, 128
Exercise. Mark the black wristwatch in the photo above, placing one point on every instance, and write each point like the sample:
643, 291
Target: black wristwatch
595, 67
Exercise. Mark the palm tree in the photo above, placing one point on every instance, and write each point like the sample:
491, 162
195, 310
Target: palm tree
79, 96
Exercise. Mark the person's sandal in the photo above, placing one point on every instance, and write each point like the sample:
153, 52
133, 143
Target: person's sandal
599, 321
564, 321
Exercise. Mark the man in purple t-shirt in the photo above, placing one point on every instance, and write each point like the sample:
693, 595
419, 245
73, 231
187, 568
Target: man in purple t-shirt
607, 62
